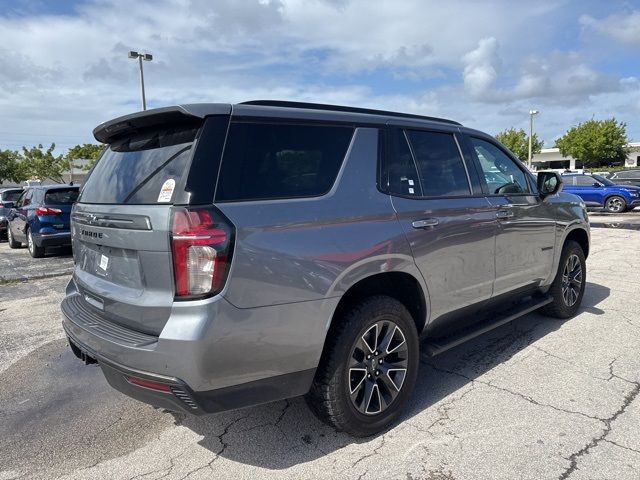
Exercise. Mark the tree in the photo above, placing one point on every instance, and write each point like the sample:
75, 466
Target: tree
86, 151
518, 142
43, 164
11, 167
596, 143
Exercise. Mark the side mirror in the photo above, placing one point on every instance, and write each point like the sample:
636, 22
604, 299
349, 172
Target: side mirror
597, 184
7, 204
549, 183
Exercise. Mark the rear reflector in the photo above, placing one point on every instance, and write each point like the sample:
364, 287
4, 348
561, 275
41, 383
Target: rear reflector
150, 384
201, 244
43, 211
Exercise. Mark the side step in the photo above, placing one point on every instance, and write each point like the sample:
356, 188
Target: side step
436, 346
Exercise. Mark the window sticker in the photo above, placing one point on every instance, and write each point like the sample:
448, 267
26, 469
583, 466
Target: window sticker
166, 192
104, 262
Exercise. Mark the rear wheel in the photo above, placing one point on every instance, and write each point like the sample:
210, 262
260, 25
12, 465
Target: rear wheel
11, 240
567, 288
368, 368
615, 204
34, 250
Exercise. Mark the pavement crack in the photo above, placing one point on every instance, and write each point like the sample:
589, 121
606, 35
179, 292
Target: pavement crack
621, 446
574, 457
518, 394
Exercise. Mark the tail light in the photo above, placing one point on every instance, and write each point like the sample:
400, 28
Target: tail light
43, 211
201, 244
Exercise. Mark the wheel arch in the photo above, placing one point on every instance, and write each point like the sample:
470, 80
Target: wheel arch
401, 286
580, 236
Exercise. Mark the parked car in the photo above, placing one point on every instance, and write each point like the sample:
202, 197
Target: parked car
626, 177
597, 191
40, 217
303, 249
7, 196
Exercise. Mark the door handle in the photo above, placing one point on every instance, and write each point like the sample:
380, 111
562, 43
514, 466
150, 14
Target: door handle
427, 222
504, 214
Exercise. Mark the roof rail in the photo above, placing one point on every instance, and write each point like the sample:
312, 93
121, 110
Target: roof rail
341, 108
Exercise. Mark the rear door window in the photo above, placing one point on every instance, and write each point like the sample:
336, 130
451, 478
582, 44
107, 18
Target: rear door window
60, 196
142, 169
11, 196
440, 166
265, 161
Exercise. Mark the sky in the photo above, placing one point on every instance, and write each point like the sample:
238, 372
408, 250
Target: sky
64, 66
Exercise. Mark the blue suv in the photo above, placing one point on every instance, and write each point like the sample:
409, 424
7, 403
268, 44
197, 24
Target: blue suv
40, 217
597, 191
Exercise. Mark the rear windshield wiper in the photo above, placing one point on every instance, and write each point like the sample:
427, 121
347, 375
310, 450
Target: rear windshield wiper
152, 174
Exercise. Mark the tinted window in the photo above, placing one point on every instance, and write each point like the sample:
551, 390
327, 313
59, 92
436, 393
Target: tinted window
585, 181
61, 196
441, 169
141, 169
399, 175
264, 161
11, 196
501, 173
628, 174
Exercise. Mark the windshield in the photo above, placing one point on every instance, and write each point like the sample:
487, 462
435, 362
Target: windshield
604, 181
141, 169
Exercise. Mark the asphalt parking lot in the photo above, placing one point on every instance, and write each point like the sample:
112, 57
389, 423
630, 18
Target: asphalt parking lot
537, 399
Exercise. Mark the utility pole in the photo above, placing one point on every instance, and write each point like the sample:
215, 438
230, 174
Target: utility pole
146, 57
531, 114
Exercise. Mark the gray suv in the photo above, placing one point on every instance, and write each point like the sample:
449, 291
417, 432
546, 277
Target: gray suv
232, 255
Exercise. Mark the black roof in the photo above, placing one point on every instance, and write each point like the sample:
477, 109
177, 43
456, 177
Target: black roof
189, 114
342, 108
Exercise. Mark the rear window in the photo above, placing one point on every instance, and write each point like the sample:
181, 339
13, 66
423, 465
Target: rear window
141, 169
61, 196
270, 161
11, 196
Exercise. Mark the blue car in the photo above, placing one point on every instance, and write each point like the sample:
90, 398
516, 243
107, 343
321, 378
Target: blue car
597, 191
40, 217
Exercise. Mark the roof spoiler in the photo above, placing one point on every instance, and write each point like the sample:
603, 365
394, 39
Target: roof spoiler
109, 131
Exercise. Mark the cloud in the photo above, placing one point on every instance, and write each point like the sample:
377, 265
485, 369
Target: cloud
481, 68
559, 76
61, 74
623, 27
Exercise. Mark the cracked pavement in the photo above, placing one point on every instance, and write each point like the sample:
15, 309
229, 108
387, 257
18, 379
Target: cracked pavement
536, 399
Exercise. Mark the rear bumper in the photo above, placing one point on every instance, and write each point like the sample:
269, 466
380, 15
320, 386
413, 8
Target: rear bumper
181, 398
52, 239
224, 360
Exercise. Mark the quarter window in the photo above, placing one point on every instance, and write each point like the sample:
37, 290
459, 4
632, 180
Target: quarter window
268, 161
501, 173
440, 166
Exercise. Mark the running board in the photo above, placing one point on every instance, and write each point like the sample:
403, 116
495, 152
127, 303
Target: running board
436, 346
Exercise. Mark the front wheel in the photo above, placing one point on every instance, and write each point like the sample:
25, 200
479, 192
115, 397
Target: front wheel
615, 204
11, 240
567, 288
368, 369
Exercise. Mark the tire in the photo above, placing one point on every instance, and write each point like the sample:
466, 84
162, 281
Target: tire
34, 250
357, 394
567, 288
615, 204
11, 240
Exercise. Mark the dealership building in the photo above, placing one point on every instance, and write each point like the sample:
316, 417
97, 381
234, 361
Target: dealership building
551, 158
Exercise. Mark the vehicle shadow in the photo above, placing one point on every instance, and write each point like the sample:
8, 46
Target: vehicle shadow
282, 434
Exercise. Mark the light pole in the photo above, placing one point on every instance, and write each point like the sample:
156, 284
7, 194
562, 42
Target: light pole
146, 57
531, 114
